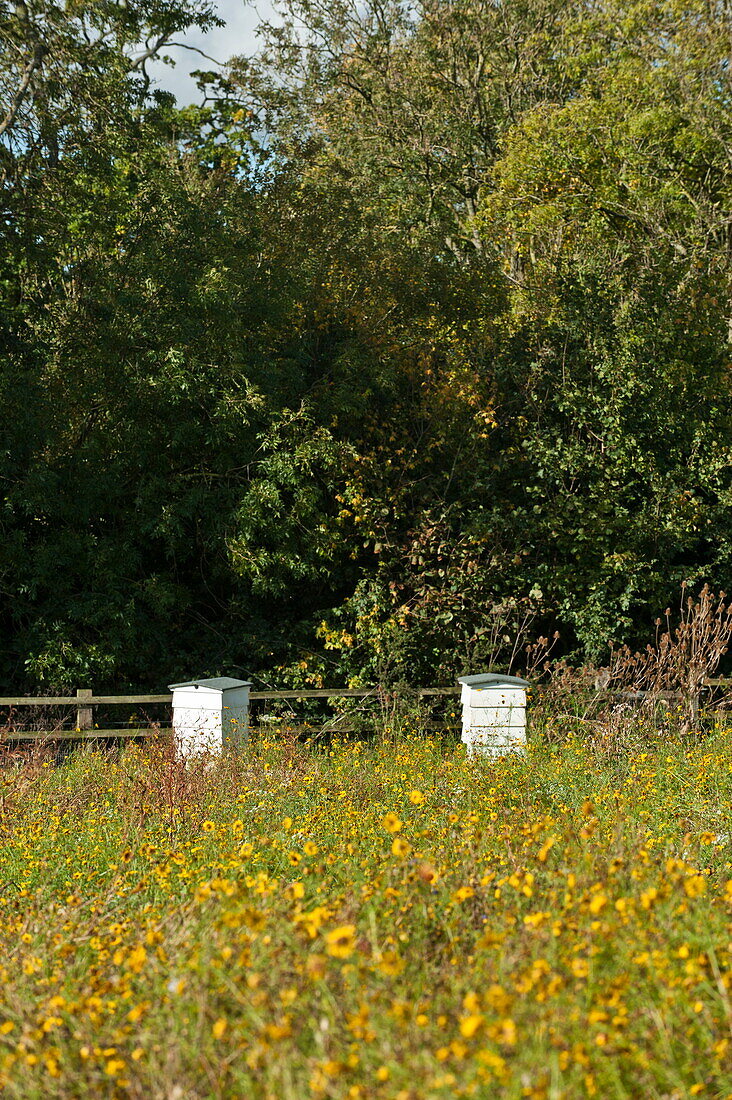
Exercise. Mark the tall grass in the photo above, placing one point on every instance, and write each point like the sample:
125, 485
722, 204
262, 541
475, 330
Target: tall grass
370, 921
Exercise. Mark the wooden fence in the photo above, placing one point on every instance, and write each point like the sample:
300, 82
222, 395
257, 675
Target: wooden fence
85, 703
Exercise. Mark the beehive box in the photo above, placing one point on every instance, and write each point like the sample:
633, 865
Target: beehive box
494, 714
210, 714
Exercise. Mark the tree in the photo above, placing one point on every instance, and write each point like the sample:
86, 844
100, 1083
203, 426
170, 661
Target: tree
579, 131
608, 213
415, 332
406, 103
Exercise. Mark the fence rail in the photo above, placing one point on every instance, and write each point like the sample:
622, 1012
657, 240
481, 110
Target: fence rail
85, 701
111, 700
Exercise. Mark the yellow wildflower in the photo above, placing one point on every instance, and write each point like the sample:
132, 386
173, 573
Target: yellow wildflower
341, 942
391, 823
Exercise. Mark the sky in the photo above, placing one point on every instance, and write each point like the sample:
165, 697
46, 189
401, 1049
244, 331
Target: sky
221, 43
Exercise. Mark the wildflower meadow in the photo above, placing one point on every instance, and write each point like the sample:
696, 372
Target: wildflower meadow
370, 920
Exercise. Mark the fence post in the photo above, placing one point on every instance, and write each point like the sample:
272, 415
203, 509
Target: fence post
84, 714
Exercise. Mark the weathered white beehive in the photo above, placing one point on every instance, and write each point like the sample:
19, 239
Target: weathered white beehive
494, 714
210, 714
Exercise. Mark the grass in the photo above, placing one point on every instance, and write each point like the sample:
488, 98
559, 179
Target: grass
381, 921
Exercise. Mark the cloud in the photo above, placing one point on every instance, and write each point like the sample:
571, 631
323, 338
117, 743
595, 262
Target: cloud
221, 43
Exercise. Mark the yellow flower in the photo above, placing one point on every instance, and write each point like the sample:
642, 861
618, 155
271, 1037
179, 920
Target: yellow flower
279, 1030
390, 964
648, 897
507, 1033
469, 1025
400, 846
695, 886
535, 920
52, 1066
391, 823
545, 848
331, 1068
219, 1028
136, 959
416, 798
208, 826
312, 920
341, 942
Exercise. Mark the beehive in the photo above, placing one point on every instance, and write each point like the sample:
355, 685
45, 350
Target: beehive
494, 714
210, 714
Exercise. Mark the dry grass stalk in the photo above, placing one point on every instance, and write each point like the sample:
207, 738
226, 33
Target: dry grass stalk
682, 658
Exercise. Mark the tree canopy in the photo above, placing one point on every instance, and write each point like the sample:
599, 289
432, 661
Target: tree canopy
413, 336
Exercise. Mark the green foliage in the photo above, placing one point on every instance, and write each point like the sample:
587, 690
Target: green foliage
412, 339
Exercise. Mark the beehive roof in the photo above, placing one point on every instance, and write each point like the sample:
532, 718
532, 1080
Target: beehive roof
485, 679
216, 683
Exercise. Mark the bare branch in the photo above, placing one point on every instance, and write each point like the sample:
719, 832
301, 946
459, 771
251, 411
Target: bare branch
33, 64
195, 49
151, 51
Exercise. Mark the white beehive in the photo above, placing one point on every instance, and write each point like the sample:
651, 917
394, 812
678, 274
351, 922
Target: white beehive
210, 714
494, 714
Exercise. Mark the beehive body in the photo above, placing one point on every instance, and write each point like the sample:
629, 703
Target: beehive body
494, 715
210, 714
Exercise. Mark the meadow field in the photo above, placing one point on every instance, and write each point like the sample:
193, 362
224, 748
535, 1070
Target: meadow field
378, 920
